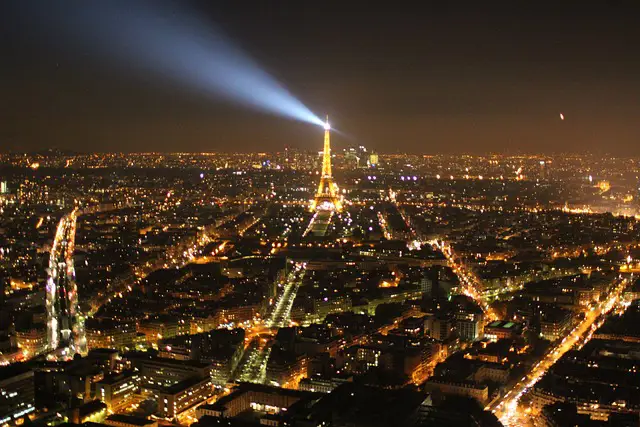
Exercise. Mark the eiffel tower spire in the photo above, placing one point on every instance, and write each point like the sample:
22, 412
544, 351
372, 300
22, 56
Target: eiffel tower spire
327, 195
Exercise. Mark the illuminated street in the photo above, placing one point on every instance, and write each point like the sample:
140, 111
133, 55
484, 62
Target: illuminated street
469, 283
254, 368
177, 256
507, 408
65, 322
281, 313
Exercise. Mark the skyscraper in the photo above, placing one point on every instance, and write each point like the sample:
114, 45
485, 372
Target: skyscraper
373, 160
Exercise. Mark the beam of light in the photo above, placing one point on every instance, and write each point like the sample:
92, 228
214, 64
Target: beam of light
167, 40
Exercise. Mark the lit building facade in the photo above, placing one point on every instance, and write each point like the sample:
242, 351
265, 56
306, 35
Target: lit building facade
183, 395
32, 341
110, 334
118, 391
461, 388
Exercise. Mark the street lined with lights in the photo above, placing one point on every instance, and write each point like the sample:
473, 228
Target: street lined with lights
255, 365
65, 326
469, 283
507, 408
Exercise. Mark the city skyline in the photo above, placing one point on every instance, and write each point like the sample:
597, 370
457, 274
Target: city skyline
319, 215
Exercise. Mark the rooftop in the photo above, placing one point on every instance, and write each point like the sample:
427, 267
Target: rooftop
183, 385
130, 419
14, 370
115, 378
504, 324
258, 388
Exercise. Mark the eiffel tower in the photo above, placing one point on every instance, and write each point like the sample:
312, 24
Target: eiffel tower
327, 198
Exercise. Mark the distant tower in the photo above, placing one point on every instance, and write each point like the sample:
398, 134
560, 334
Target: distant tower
373, 160
543, 170
327, 195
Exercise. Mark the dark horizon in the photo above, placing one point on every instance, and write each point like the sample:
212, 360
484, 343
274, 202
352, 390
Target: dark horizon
426, 79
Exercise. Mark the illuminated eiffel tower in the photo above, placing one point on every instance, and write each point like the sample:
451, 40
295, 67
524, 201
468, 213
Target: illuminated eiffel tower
327, 198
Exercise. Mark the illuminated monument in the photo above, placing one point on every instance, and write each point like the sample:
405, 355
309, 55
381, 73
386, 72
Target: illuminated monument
327, 198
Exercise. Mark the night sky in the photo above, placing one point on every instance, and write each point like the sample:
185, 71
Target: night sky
420, 77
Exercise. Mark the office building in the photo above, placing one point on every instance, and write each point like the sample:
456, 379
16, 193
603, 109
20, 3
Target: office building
183, 395
117, 391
